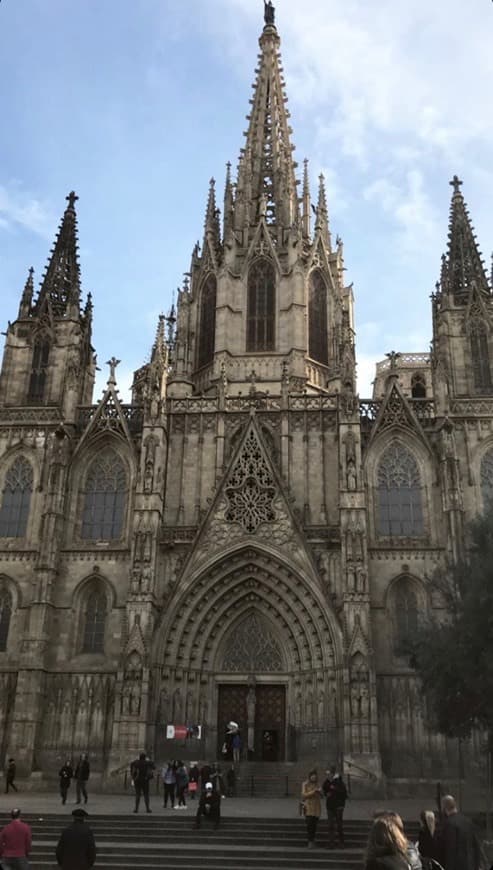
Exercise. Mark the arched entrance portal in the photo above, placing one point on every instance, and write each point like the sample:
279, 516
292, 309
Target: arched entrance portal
253, 688
250, 620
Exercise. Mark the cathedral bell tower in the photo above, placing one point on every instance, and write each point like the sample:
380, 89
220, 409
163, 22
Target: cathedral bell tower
462, 314
265, 298
48, 358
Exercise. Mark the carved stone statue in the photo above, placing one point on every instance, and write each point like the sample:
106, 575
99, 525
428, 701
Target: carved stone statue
351, 481
364, 702
269, 12
178, 707
250, 705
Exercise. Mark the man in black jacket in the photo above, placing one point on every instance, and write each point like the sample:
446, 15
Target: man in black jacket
66, 775
457, 841
82, 772
142, 771
336, 796
76, 848
209, 806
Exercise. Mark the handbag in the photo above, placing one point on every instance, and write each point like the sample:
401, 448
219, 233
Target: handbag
302, 808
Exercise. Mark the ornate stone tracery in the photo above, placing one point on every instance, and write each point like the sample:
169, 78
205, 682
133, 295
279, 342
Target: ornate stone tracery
252, 648
251, 489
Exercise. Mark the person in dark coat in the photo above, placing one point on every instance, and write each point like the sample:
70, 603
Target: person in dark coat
427, 841
458, 845
76, 848
387, 847
65, 775
142, 771
82, 772
209, 806
10, 774
335, 793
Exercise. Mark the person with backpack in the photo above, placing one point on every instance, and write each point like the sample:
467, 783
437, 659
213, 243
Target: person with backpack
335, 793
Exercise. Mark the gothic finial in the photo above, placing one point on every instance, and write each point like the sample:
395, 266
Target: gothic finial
269, 12
72, 199
112, 363
27, 295
456, 183
393, 358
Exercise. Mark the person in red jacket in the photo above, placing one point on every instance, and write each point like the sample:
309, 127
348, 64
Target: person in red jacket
15, 843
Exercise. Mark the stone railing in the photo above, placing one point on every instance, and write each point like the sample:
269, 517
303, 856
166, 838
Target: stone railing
32, 416
472, 407
404, 360
132, 414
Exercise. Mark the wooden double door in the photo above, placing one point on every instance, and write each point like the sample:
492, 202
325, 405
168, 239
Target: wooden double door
270, 719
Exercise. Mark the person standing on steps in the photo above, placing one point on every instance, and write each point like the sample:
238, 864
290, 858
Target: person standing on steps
76, 849
335, 793
181, 784
168, 776
193, 780
65, 775
10, 775
142, 771
310, 797
15, 843
82, 772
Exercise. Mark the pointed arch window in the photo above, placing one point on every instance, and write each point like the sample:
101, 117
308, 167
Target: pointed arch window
400, 504
261, 306
207, 322
39, 370
5, 616
318, 347
16, 499
418, 386
94, 621
405, 613
105, 496
480, 356
487, 479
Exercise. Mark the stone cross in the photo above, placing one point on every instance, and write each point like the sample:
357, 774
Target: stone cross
113, 363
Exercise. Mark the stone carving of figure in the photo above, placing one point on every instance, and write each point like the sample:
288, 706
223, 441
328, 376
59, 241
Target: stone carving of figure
164, 707
351, 577
355, 701
269, 12
149, 465
364, 702
190, 707
203, 709
298, 707
321, 709
178, 707
147, 549
136, 580
323, 564
251, 704
262, 206
360, 579
351, 480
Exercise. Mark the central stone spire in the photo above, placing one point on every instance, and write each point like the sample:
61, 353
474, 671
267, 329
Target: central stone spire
266, 184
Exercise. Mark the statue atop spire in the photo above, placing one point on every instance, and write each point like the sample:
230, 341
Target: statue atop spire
269, 12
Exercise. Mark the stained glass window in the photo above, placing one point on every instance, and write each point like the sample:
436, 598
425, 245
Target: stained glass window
39, 369
480, 356
400, 508
317, 318
261, 306
16, 499
94, 622
406, 613
487, 478
418, 386
105, 494
5, 614
207, 323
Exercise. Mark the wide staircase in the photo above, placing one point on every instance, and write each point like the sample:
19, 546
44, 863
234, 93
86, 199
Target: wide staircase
151, 842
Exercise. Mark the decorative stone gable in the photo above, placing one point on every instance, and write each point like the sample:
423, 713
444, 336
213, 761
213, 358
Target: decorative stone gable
250, 490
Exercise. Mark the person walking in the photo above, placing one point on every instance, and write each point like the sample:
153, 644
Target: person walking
387, 845
76, 849
458, 845
142, 771
335, 793
181, 784
10, 775
231, 781
217, 780
65, 775
310, 796
168, 776
209, 806
82, 773
15, 843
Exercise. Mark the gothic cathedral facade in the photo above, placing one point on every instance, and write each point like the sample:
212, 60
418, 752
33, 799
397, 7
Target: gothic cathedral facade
246, 539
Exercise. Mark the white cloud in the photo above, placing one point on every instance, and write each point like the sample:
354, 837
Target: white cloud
411, 208
21, 209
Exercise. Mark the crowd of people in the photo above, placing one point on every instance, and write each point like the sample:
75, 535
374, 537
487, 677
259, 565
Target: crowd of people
448, 842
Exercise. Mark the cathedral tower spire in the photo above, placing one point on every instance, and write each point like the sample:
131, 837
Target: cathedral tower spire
60, 286
267, 185
27, 295
463, 268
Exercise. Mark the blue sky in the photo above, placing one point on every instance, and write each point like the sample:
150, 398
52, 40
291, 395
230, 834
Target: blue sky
135, 104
